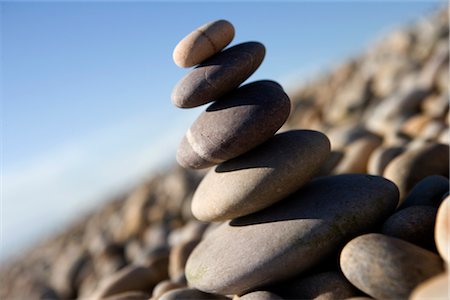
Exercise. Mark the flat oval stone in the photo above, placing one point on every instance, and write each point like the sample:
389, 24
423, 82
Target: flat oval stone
429, 191
290, 236
407, 169
386, 267
442, 234
413, 224
435, 288
203, 43
260, 177
164, 286
218, 75
234, 125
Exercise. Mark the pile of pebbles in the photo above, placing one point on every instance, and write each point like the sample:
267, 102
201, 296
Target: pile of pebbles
354, 205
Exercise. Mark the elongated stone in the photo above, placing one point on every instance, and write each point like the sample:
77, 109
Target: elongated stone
386, 267
203, 43
442, 230
260, 177
291, 236
234, 125
218, 75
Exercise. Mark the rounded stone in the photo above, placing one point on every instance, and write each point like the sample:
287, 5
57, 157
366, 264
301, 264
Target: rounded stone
178, 257
407, 169
429, 191
386, 267
190, 293
218, 75
260, 177
127, 279
381, 157
165, 286
324, 286
234, 125
202, 43
258, 295
131, 295
442, 230
413, 224
271, 245
435, 288
357, 154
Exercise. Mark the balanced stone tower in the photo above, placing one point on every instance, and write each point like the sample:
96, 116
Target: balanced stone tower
278, 220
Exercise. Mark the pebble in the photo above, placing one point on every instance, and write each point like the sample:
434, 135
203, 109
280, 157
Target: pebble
311, 223
203, 43
165, 286
407, 169
231, 126
428, 191
177, 260
260, 177
381, 157
218, 75
127, 279
324, 286
386, 267
190, 293
413, 224
357, 154
442, 230
258, 295
435, 288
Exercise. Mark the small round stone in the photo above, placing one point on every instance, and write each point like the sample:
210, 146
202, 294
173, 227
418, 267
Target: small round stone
131, 295
413, 224
407, 169
381, 157
428, 191
260, 177
234, 125
435, 288
442, 230
386, 267
165, 286
271, 245
202, 43
218, 75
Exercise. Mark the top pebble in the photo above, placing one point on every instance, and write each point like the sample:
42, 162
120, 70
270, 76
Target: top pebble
203, 43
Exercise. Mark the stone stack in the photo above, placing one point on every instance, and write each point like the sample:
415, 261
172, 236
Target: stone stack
277, 215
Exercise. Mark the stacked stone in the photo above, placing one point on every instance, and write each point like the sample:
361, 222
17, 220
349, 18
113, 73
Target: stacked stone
334, 236
278, 224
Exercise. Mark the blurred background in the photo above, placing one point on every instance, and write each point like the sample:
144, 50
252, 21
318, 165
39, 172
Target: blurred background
85, 89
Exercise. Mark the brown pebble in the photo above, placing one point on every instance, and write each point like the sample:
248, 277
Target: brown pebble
218, 75
233, 125
165, 286
407, 169
381, 157
428, 191
178, 257
435, 288
203, 43
356, 155
386, 267
413, 224
127, 279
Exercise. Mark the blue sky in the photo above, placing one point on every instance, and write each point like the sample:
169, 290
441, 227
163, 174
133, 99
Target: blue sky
86, 108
